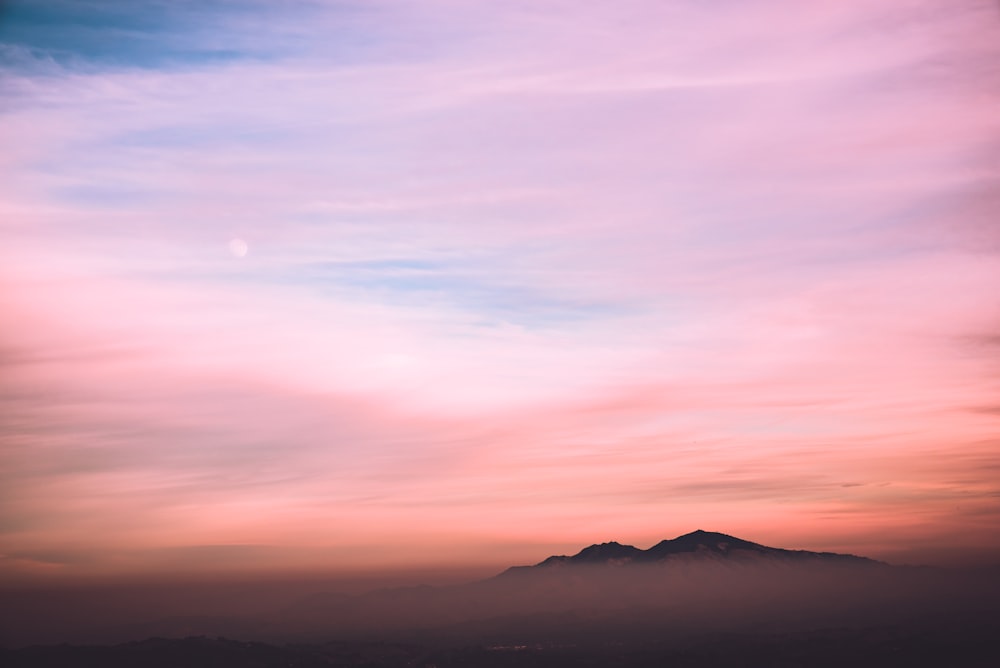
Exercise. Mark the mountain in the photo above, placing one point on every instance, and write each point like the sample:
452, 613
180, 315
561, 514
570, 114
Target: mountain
720, 545
691, 548
605, 553
700, 580
700, 599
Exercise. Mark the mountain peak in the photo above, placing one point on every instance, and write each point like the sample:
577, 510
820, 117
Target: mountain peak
611, 553
698, 544
605, 553
702, 541
701, 533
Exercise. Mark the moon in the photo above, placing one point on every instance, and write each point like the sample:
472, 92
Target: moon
238, 247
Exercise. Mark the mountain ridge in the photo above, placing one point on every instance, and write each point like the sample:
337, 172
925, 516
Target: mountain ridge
698, 545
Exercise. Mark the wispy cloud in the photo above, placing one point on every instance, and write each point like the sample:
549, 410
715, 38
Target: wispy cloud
519, 272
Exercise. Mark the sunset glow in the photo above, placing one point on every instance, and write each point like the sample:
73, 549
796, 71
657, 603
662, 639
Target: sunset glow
349, 286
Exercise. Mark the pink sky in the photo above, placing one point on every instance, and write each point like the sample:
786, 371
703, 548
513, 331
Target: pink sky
520, 277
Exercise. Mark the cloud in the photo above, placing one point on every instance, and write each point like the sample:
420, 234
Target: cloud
513, 267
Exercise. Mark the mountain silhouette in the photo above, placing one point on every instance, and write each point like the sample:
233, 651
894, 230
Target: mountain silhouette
695, 547
700, 580
599, 554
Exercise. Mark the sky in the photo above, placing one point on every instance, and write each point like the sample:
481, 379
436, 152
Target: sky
335, 286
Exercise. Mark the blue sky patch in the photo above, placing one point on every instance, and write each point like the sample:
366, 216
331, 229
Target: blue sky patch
146, 34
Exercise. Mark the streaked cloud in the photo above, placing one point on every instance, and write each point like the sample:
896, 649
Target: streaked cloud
527, 273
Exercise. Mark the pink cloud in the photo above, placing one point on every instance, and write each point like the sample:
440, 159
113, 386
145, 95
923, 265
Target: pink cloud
605, 275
